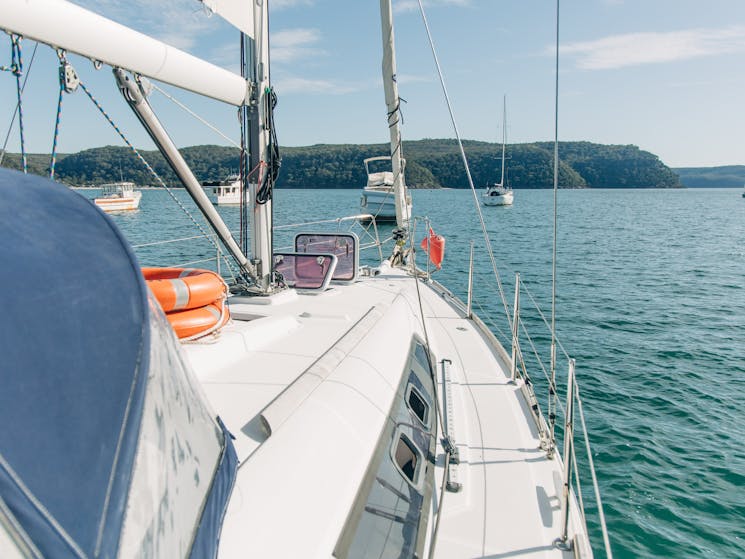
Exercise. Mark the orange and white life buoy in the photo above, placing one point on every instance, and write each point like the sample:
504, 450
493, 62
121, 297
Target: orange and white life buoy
179, 289
193, 299
201, 320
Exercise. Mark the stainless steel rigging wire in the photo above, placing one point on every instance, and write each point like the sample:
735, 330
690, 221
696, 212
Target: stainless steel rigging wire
487, 241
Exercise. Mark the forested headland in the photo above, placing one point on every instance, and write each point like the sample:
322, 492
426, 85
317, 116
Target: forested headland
726, 176
429, 164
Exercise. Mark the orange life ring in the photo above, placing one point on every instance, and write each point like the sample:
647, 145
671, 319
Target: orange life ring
179, 289
202, 320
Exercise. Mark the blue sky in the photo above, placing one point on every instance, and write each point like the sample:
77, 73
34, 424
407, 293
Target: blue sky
665, 75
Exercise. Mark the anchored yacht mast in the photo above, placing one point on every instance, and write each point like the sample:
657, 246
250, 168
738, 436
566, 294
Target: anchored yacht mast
135, 97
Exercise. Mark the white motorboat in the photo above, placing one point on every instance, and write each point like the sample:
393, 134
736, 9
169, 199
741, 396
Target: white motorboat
118, 196
499, 194
319, 408
378, 196
226, 192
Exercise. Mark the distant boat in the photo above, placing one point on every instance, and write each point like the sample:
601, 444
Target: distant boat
118, 196
378, 196
743, 191
498, 194
226, 192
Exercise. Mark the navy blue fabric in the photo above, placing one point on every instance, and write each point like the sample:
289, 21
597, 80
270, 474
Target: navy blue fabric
74, 347
207, 538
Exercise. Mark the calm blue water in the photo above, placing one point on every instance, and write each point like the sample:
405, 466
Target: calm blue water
651, 303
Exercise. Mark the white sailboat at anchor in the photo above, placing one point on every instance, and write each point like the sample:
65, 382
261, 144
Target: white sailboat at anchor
499, 194
322, 409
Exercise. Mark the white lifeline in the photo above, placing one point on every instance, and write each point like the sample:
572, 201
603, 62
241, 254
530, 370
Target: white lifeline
297, 487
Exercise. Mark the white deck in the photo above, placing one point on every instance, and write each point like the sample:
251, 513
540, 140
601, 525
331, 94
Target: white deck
296, 487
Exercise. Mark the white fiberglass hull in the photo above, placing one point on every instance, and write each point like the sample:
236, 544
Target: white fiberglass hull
224, 196
504, 199
381, 204
119, 204
323, 371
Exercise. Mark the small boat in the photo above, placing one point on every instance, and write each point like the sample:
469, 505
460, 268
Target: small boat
498, 194
226, 192
118, 197
378, 196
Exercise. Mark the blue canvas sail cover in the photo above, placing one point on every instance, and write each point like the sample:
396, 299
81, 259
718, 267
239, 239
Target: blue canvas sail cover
80, 432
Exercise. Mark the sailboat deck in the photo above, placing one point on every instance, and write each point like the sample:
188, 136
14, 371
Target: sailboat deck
306, 474
510, 490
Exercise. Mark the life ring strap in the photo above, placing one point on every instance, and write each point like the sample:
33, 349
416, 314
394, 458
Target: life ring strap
184, 288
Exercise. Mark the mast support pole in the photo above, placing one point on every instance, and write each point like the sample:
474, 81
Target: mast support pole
138, 103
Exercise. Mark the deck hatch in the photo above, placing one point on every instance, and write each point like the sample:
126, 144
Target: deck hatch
345, 246
305, 270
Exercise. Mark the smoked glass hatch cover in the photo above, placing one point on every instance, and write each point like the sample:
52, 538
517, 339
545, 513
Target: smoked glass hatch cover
345, 246
305, 271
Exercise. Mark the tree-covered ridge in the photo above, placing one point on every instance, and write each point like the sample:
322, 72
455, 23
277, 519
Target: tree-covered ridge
429, 164
712, 177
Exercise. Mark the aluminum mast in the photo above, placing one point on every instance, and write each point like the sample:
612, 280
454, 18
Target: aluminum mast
393, 103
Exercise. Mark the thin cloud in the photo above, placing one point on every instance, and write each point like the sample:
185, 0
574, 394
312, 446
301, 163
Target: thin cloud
634, 49
292, 44
177, 22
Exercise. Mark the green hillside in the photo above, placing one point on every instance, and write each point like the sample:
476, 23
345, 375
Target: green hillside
712, 177
430, 164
